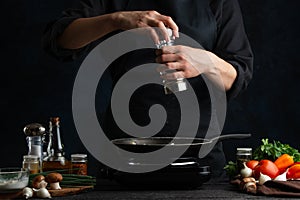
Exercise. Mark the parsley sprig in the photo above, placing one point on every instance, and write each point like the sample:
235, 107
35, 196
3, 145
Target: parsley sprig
272, 150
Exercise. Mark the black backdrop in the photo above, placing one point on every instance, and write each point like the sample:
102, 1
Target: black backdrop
35, 86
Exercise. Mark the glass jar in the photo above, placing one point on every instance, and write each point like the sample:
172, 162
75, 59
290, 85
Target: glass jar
31, 162
243, 155
79, 164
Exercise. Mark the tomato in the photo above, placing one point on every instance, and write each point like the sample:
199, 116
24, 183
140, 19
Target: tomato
293, 172
252, 164
266, 167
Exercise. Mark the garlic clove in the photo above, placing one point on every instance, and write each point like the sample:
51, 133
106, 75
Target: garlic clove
246, 171
281, 177
27, 192
263, 178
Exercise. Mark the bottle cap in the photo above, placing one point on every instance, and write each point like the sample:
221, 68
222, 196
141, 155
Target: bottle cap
54, 119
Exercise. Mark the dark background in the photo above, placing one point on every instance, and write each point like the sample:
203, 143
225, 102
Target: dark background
35, 86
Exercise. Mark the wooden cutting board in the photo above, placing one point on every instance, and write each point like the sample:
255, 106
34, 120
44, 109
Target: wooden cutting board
54, 193
69, 191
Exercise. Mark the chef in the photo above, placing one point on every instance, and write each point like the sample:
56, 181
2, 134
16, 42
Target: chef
215, 24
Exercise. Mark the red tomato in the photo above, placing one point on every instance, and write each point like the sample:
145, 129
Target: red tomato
266, 167
252, 164
293, 172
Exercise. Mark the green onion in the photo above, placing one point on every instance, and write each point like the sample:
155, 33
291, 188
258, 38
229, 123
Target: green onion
69, 180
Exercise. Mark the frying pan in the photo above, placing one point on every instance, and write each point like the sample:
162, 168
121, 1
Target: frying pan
145, 145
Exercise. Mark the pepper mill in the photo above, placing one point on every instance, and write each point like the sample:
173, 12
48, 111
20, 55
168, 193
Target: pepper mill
176, 85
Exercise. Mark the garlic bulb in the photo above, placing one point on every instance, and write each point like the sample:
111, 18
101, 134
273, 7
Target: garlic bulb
281, 177
27, 192
263, 178
43, 193
246, 171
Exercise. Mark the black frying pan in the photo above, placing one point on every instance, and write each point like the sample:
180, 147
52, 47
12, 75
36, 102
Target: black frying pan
145, 145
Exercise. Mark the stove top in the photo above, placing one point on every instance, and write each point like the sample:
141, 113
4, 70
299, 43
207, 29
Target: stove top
182, 173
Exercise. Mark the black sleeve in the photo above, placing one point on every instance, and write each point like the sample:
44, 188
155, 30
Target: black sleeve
84, 8
233, 46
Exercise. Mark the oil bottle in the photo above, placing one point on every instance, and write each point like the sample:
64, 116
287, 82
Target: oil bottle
55, 159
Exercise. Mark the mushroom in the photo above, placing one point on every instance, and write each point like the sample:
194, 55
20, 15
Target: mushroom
42, 193
39, 182
248, 185
54, 179
27, 192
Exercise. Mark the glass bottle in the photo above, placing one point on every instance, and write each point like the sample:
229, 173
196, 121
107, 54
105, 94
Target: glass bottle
176, 85
55, 159
79, 164
31, 162
243, 155
35, 146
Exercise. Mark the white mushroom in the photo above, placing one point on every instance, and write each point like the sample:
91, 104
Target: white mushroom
39, 182
42, 193
27, 192
54, 179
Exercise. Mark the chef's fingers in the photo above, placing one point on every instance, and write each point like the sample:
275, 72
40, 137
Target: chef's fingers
168, 57
163, 22
169, 67
168, 50
173, 76
168, 22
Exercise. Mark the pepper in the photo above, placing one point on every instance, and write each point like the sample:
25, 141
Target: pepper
293, 172
283, 162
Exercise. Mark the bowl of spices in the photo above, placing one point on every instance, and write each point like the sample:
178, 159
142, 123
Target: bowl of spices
13, 179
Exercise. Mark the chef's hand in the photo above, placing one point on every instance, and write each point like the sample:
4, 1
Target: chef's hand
147, 19
188, 62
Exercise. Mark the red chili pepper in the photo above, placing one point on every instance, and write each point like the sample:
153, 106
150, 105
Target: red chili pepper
293, 172
283, 162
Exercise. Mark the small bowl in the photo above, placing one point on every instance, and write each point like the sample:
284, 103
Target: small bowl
13, 179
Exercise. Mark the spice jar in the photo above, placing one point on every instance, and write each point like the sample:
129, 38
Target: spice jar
243, 155
79, 164
31, 162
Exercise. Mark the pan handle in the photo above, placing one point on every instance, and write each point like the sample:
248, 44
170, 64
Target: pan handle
231, 136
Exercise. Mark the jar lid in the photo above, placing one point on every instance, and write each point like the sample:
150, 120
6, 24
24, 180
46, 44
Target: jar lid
244, 149
33, 157
77, 155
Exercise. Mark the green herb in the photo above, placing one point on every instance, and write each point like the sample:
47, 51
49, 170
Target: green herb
272, 151
231, 169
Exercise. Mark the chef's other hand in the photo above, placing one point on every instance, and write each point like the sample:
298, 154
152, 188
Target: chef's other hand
188, 62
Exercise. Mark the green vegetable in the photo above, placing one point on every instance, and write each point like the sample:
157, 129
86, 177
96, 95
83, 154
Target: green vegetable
231, 169
273, 150
267, 150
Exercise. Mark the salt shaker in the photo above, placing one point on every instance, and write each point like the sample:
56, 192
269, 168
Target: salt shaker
34, 133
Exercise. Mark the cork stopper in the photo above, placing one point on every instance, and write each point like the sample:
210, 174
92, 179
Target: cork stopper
54, 120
